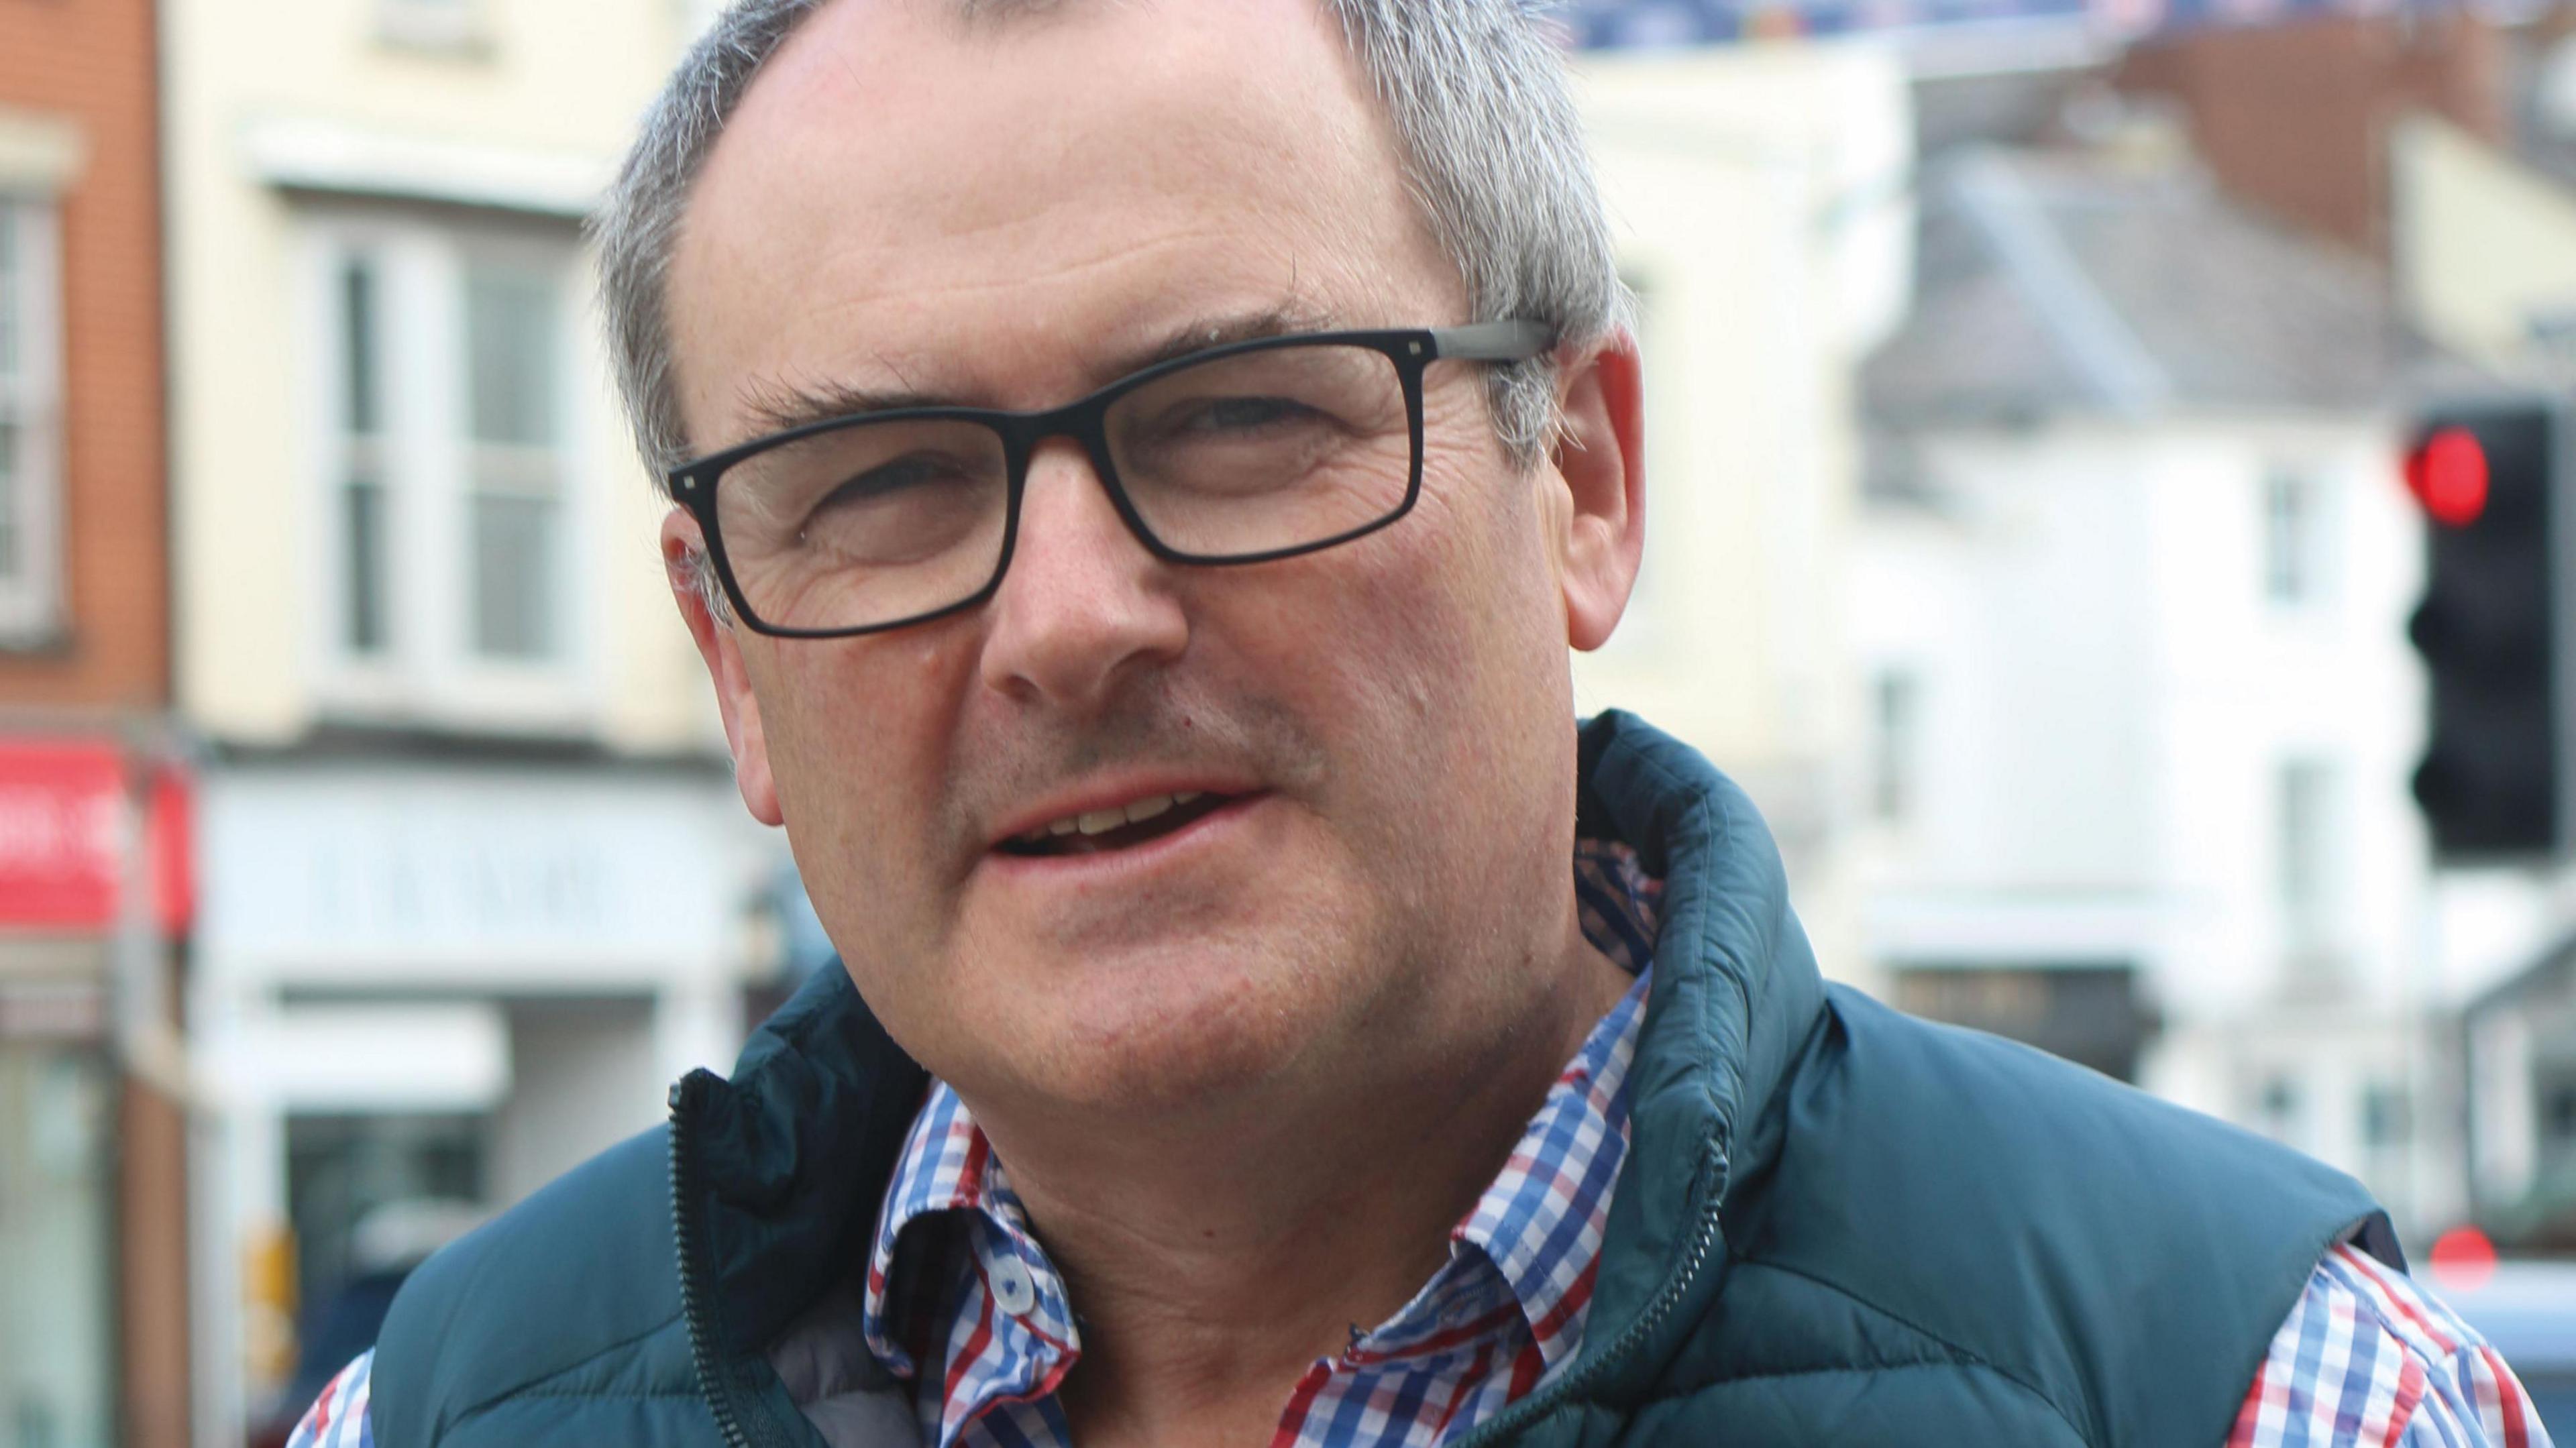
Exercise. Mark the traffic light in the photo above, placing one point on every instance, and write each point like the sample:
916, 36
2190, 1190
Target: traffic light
2494, 629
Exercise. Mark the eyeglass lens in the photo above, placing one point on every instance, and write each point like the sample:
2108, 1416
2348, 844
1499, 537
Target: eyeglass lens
1249, 453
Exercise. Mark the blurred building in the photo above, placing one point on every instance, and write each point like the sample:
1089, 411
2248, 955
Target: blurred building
2520, 1040
1760, 199
475, 881
2133, 581
93, 1273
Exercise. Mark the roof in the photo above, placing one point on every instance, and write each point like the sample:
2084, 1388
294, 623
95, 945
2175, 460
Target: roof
2548, 978
2051, 283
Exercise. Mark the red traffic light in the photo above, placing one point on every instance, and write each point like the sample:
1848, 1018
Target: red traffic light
2464, 1259
2447, 473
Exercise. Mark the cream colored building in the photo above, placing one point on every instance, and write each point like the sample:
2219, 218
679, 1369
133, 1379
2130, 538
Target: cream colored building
1760, 195
404, 177
476, 885
2485, 247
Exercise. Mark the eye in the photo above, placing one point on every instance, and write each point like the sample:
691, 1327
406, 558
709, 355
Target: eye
1216, 415
1233, 421
890, 479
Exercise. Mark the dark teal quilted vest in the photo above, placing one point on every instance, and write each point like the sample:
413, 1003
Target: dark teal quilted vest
1836, 1225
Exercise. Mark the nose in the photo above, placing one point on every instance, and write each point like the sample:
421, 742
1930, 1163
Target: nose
1084, 604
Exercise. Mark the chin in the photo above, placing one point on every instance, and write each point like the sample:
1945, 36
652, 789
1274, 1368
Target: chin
1169, 1030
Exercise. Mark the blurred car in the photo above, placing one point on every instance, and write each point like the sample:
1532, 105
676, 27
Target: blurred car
2527, 1310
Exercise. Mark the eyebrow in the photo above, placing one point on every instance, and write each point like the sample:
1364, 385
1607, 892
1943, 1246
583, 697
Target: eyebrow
775, 405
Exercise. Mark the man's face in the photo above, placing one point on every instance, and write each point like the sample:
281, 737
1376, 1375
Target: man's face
1010, 213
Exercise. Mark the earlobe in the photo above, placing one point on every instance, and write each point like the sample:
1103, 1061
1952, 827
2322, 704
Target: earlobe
684, 567
1600, 456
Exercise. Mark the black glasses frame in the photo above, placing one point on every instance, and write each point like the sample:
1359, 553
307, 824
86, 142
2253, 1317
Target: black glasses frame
694, 484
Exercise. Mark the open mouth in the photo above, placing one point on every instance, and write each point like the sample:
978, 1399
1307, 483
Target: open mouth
1096, 831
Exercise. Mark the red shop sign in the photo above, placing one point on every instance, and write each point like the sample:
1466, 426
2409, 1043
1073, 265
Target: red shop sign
61, 855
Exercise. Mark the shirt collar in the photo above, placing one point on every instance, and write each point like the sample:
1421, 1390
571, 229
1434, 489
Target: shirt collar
1537, 1227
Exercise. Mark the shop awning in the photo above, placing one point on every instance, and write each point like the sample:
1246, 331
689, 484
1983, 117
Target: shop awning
63, 858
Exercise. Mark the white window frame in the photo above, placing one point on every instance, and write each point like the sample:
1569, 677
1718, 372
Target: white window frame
31, 604
500, 470
429, 673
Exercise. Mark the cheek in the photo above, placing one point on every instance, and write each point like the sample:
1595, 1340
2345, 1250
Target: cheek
1479, 561
1436, 649
858, 735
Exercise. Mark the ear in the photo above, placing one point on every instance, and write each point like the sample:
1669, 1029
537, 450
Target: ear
686, 567
1599, 456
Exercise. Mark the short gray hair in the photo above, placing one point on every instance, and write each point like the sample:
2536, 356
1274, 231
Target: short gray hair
1476, 90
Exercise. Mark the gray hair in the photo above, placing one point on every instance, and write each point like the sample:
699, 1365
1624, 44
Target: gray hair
1476, 90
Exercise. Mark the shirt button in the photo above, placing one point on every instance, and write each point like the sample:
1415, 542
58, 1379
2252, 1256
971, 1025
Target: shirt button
1013, 1292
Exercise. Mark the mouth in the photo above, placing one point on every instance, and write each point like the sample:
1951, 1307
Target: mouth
1117, 827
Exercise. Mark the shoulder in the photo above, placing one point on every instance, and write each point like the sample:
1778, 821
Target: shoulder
2035, 1217
2369, 1356
1969, 1128
579, 1278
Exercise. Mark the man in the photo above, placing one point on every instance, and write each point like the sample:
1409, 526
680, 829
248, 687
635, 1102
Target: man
1138, 465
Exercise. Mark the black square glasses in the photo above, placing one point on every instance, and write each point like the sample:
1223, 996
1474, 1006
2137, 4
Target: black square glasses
1242, 453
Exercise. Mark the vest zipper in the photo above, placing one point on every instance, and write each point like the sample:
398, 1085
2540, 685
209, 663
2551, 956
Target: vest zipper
1704, 1239
714, 1384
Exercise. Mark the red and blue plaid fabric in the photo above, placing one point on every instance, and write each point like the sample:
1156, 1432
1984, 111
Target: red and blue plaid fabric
338, 1418
2369, 1360
2365, 1358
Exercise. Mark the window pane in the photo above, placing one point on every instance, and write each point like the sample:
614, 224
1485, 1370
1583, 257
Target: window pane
2302, 814
12, 296
13, 563
2306, 809
2290, 525
361, 410
57, 1185
1892, 773
510, 330
513, 597
363, 544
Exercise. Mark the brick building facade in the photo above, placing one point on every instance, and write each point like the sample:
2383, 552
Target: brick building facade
94, 1325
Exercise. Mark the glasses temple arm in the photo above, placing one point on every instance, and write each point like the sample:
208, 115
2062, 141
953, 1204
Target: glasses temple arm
1493, 341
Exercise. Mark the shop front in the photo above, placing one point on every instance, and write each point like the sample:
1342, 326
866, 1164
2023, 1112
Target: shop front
428, 988
90, 1160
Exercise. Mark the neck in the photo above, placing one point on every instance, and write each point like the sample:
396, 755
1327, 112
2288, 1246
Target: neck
1216, 1252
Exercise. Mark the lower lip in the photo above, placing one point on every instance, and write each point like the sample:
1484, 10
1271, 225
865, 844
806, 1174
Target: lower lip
1103, 866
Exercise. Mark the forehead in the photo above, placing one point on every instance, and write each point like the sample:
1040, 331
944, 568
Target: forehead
993, 210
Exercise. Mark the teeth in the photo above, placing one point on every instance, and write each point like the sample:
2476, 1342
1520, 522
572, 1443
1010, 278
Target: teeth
1102, 821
